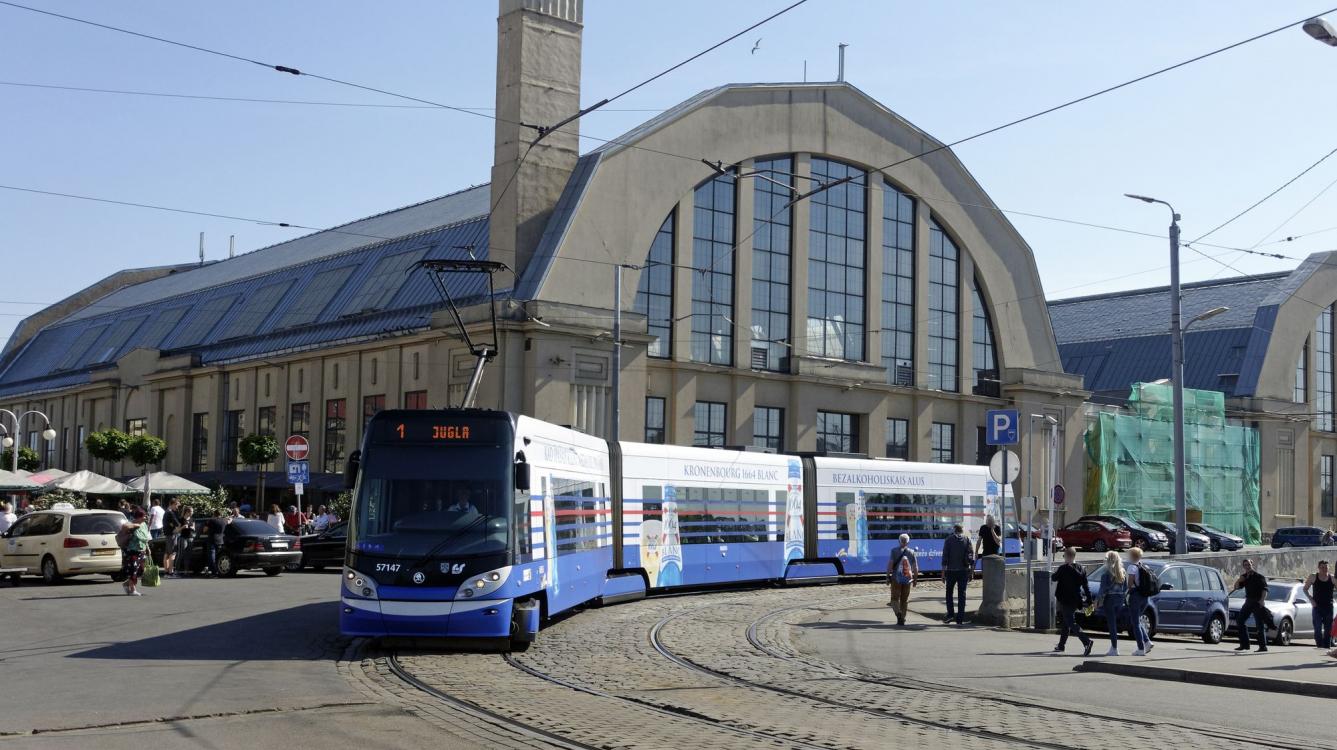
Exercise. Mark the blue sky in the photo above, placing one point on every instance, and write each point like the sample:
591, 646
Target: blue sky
1212, 138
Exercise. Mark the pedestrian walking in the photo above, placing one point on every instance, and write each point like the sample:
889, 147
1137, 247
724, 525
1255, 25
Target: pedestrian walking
1319, 589
1255, 592
170, 523
136, 534
322, 520
958, 563
1072, 592
1142, 585
990, 538
900, 581
275, 517
1113, 597
7, 517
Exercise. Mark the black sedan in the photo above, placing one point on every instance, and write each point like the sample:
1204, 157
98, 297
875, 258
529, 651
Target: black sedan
1148, 539
247, 545
1218, 539
1196, 542
324, 549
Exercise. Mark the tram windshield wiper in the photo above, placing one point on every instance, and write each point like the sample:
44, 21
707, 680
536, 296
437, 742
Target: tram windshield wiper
436, 549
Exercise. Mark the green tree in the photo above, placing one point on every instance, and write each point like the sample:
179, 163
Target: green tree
28, 459
343, 505
145, 450
259, 451
108, 446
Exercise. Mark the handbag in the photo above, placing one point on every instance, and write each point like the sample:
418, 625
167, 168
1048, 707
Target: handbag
152, 575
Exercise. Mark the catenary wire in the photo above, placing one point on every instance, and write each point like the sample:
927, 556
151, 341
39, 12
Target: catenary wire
1264, 199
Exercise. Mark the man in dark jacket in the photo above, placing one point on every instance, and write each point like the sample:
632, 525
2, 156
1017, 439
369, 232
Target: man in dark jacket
1072, 592
958, 563
1255, 592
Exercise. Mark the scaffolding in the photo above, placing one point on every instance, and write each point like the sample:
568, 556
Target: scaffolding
1130, 462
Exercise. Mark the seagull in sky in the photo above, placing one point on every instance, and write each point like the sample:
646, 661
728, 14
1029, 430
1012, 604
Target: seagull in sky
757, 46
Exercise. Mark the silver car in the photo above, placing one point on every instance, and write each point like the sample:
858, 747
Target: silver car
1292, 612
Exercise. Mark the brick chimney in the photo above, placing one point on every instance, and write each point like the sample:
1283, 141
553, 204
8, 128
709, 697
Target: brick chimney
538, 83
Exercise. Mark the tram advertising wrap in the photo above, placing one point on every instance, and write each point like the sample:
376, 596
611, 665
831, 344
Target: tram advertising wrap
478, 524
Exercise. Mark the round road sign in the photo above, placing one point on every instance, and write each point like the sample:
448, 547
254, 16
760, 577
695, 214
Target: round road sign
1013, 467
1060, 494
297, 448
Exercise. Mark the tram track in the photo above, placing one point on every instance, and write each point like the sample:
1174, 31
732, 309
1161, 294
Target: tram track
755, 639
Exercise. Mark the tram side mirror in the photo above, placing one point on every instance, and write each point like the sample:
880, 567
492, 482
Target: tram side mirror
351, 469
522, 476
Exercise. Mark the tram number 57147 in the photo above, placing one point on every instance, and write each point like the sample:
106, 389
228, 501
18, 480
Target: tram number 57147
387, 567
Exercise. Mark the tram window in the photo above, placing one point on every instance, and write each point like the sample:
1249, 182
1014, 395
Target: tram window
576, 521
522, 523
776, 520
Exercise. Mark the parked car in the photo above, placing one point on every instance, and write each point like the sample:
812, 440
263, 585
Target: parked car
1192, 600
1036, 532
247, 545
63, 542
1196, 542
1096, 535
1217, 540
325, 549
1147, 539
1291, 611
1297, 536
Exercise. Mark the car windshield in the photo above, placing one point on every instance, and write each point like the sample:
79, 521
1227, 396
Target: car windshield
433, 500
96, 523
1275, 593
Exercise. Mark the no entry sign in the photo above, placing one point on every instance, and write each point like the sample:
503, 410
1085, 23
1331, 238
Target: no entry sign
297, 448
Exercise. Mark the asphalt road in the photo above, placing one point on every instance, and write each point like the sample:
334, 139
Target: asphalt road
209, 663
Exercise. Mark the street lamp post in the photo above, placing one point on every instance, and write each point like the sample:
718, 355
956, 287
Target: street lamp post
11, 441
1176, 375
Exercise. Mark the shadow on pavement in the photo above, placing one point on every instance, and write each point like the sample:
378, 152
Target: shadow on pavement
293, 634
1293, 667
860, 625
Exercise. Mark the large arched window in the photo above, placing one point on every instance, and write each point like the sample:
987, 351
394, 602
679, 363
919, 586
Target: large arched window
836, 262
984, 360
771, 224
654, 297
943, 318
898, 286
712, 277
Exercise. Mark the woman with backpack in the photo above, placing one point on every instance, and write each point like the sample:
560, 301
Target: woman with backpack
1142, 585
1113, 597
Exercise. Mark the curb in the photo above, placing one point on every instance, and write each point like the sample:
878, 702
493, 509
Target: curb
1217, 679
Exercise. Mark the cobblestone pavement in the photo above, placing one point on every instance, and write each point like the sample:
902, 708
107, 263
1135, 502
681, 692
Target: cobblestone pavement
717, 670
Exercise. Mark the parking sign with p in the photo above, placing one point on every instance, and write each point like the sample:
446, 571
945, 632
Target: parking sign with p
1001, 427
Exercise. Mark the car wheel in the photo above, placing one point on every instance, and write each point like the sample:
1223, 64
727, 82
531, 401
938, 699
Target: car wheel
317, 568
295, 567
226, 566
1216, 545
1285, 631
1287, 544
271, 572
1100, 545
50, 573
1148, 622
1215, 630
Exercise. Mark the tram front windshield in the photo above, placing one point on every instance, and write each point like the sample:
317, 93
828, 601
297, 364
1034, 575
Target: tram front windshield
433, 502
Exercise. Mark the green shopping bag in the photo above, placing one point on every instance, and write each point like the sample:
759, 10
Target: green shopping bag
152, 576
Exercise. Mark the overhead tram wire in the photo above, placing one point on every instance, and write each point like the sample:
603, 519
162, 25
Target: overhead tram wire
1263, 200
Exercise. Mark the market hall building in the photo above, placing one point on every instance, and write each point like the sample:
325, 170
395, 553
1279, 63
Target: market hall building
881, 316
1271, 355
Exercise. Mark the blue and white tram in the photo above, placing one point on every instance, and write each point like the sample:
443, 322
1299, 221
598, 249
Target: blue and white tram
476, 524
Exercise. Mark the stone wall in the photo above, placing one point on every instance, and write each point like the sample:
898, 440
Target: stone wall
1291, 562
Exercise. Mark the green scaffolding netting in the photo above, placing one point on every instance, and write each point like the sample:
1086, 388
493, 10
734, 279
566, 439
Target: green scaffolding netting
1130, 462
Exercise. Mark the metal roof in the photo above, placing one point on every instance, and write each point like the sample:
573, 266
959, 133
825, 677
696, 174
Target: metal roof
375, 293
1212, 361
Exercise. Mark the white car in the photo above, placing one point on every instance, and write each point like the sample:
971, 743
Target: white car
63, 542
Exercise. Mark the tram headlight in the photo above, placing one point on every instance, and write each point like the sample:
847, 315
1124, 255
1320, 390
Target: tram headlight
485, 583
359, 584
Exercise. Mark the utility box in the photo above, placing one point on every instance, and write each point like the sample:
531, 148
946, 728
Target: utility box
1042, 597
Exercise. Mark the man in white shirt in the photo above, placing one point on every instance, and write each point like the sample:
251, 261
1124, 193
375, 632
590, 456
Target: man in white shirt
155, 519
7, 517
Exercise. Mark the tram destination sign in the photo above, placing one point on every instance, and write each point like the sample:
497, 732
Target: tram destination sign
436, 429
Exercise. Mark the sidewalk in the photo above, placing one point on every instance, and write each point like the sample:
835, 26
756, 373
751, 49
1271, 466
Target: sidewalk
1299, 669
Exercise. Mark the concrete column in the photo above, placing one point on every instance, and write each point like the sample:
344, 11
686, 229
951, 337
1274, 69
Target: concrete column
965, 325
742, 407
744, 208
873, 271
798, 282
923, 233
681, 407
682, 280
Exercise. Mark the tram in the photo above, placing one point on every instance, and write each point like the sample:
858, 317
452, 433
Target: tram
471, 523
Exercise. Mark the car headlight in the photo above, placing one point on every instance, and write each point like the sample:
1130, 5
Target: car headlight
484, 583
358, 584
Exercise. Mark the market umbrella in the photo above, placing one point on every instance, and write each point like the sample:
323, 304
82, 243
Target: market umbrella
23, 473
10, 482
89, 483
46, 475
166, 483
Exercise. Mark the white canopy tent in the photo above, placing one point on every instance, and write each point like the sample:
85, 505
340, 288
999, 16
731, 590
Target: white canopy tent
166, 483
88, 483
12, 482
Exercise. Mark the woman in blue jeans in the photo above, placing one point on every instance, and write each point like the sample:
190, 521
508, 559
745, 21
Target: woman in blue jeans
1113, 597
